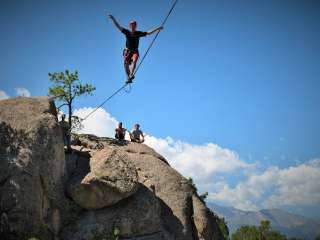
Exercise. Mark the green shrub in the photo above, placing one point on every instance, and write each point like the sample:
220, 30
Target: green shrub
223, 227
261, 232
203, 196
106, 235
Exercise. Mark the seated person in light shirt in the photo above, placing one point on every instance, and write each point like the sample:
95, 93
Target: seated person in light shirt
136, 135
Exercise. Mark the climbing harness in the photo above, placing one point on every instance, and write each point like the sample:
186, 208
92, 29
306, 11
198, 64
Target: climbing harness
137, 68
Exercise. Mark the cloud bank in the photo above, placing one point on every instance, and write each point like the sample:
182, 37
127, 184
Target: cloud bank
201, 162
3, 95
22, 92
101, 123
274, 188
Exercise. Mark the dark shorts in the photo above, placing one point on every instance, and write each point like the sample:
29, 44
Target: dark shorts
119, 136
130, 55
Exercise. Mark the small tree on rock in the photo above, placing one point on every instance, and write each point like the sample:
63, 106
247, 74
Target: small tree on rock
203, 196
66, 87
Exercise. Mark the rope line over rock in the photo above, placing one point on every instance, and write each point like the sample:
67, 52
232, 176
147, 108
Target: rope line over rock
138, 67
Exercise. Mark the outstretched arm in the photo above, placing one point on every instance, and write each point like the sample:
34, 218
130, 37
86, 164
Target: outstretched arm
116, 23
154, 30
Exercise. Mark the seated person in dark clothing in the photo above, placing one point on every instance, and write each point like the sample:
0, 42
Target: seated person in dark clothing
65, 128
137, 135
120, 132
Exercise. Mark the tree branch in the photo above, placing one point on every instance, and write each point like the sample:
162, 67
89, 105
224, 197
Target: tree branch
73, 97
64, 104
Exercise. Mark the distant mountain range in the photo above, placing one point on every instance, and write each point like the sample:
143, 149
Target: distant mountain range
289, 224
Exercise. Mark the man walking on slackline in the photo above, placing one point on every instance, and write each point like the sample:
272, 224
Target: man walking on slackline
131, 53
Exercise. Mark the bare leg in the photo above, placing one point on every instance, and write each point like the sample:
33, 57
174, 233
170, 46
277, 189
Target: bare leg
127, 68
135, 57
134, 64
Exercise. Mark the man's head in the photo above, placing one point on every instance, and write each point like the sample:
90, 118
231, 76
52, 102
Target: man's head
136, 126
120, 125
133, 26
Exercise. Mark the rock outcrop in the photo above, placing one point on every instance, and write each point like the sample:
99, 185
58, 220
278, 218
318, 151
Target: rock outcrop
204, 220
165, 206
108, 185
31, 169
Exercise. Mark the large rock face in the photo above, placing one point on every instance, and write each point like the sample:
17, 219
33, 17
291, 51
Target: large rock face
31, 169
109, 185
164, 207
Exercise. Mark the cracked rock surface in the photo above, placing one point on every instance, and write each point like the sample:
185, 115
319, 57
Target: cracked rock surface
133, 188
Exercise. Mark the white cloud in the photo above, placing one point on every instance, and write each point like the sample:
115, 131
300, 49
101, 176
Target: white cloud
23, 92
274, 188
3, 95
240, 197
298, 185
100, 123
201, 162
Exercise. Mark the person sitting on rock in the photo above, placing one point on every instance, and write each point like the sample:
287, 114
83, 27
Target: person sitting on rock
65, 128
120, 132
136, 134
131, 53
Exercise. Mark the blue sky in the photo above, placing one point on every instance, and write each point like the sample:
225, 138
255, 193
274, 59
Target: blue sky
243, 75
